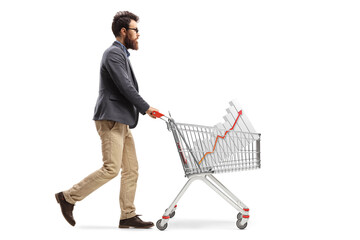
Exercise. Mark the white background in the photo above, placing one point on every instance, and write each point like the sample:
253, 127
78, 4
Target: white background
293, 66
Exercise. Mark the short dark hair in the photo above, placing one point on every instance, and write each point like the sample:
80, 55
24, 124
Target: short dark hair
121, 20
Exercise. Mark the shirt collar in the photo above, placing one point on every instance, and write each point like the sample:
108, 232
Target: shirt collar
124, 48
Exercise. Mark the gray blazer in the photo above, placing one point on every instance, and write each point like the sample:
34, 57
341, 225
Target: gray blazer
119, 98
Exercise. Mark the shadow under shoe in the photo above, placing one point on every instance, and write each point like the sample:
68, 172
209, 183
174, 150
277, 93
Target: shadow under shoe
135, 222
66, 208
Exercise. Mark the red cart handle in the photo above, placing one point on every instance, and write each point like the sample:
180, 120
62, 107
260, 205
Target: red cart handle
157, 114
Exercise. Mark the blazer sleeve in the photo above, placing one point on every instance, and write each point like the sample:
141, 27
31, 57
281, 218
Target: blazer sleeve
115, 63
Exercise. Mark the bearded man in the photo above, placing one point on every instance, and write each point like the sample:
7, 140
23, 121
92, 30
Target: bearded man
116, 112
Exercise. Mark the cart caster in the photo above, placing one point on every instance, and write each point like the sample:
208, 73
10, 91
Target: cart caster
161, 228
239, 216
239, 225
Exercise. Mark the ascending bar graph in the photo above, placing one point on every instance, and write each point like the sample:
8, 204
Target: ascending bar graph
221, 137
235, 120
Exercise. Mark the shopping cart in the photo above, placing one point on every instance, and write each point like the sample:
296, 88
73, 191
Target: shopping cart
206, 150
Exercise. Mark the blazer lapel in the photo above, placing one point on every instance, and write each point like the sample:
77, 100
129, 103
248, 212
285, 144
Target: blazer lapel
133, 76
131, 71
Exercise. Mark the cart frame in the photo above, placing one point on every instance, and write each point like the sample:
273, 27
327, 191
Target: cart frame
197, 172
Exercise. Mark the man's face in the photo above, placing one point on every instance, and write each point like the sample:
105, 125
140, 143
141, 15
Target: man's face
131, 36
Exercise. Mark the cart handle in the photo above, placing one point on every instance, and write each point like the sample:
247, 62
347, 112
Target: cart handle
157, 114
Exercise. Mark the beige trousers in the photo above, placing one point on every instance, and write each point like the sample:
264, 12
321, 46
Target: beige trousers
118, 150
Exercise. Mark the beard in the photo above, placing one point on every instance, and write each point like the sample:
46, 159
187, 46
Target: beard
131, 44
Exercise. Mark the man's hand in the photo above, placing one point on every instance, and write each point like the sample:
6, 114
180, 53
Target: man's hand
150, 110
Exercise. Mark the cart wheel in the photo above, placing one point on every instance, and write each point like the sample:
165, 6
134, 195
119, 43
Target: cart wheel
239, 216
161, 228
239, 225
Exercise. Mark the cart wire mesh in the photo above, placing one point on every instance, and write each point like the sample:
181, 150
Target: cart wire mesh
205, 149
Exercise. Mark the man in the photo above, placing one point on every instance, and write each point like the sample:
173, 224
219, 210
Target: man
116, 112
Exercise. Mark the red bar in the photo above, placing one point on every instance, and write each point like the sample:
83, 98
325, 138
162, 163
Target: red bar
157, 114
245, 216
246, 209
165, 217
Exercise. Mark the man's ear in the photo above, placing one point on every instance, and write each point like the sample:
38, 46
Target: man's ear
122, 31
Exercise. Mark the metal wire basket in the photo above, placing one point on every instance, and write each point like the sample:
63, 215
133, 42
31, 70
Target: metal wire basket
202, 149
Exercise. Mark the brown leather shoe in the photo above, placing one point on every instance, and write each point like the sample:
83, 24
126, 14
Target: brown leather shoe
135, 222
66, 208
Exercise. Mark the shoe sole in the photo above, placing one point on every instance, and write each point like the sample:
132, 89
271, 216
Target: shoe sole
125, 226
